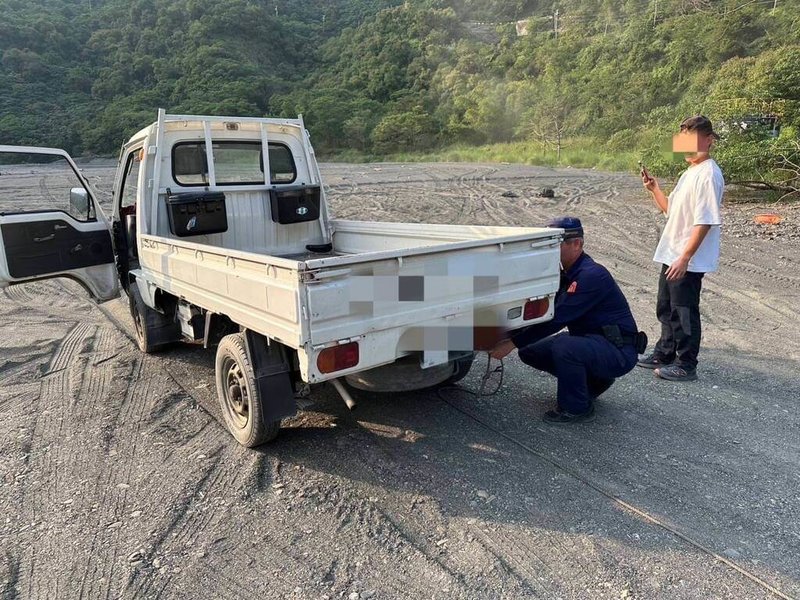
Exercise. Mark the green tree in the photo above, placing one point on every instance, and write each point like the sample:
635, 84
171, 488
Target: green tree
413, 130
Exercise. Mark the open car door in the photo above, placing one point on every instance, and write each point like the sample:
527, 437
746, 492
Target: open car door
51, 224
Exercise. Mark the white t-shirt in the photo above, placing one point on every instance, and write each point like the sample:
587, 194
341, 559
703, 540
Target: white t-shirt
696, 200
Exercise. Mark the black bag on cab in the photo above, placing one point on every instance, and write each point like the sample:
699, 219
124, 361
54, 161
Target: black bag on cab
196, 213
295, 204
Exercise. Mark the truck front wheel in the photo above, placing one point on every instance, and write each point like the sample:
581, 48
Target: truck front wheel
153, 330
239, 398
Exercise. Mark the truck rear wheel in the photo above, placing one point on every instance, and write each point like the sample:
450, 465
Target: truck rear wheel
461, 367
240, 401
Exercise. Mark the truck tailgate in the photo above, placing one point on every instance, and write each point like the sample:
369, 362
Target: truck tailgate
395, 287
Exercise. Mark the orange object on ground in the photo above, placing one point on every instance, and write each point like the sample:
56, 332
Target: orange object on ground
767, 219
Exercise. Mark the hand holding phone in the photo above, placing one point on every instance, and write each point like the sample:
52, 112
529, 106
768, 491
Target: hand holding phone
649, 183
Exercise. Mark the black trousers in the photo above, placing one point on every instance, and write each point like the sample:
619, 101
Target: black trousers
678, 311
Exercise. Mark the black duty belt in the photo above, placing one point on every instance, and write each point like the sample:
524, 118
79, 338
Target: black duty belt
613, 334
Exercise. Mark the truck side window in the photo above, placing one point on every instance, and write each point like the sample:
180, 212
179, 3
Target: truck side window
32, 182
235, 163
130, 183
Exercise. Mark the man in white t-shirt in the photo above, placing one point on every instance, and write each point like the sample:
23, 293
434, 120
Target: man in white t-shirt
688, 249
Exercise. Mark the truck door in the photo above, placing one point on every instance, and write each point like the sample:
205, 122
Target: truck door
51, 224
126, 187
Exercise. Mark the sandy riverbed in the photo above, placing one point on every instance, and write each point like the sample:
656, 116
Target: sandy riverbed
117, 481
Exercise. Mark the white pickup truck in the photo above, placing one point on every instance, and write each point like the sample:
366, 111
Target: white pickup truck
220, 234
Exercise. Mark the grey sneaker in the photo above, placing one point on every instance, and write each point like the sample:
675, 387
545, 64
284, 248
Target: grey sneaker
676, 373
653, 361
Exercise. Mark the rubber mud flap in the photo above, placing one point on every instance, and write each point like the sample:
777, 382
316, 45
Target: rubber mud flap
273, 376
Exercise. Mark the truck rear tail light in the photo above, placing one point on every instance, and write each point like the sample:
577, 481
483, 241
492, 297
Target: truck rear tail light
535, 309
337, 358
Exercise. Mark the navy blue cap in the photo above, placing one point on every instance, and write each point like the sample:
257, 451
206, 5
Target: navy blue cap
571, 225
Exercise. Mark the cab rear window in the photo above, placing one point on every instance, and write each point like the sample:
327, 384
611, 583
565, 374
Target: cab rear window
235, 163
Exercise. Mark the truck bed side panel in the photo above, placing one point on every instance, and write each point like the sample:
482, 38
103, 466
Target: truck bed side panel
258, 295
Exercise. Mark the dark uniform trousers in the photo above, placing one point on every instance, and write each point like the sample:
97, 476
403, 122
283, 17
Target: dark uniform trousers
678, 311
585, 362
585, 365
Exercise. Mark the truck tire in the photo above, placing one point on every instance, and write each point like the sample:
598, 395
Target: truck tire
461, 367
154, 330
239, 398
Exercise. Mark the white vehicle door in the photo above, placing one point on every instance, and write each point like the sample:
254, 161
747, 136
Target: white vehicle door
51, 224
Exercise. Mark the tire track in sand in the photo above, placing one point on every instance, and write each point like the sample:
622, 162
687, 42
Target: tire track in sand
40, 499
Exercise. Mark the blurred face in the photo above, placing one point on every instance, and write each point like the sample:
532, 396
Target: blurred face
693, 143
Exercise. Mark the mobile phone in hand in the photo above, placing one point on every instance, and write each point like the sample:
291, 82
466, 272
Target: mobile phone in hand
643, 171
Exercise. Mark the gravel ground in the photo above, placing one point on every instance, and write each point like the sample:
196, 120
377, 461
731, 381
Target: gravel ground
116, 480
740, 224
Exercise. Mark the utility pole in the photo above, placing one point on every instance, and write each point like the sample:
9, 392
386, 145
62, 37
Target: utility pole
555, 23
774, 5
655, 13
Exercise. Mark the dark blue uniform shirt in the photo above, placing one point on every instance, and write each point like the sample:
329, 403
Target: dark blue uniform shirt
588, 299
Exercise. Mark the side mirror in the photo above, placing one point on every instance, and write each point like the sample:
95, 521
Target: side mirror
79, 202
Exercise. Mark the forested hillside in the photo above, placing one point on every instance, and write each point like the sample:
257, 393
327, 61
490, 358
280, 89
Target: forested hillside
85, 73
381, 76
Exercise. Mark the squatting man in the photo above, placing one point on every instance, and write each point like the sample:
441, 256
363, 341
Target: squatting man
602, 341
